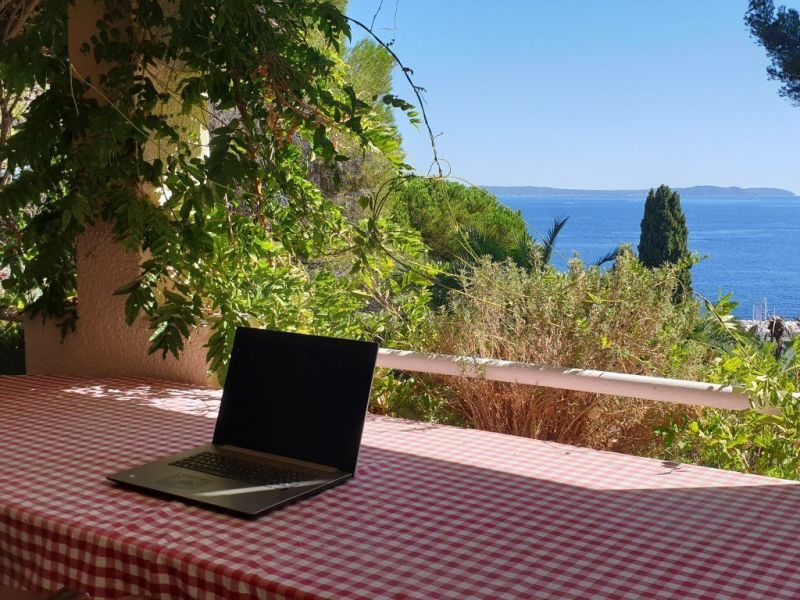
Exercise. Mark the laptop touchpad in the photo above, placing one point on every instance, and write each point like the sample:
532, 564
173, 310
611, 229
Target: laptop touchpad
182, 481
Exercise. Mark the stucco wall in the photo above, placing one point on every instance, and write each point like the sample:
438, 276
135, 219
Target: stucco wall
103, 344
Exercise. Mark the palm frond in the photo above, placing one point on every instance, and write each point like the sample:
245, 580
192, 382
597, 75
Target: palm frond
550, 237
610, 256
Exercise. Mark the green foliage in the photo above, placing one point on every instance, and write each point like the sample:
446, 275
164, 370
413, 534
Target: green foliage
461, 223
665, 237
623, 319
236, 232
369, 72
778, 31
757, 441
549, 241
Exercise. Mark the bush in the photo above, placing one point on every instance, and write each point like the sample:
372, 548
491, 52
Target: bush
12, 349
461, 223
623, 320
748, 441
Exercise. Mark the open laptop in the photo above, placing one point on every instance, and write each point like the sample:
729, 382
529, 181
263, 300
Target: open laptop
289, 425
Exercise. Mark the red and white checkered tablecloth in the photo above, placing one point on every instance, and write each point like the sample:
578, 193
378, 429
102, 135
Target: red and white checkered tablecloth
434, 512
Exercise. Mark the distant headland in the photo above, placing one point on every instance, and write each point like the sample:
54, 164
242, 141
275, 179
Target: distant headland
689, 192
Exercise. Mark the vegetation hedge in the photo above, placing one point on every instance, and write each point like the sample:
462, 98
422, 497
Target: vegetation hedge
623, 319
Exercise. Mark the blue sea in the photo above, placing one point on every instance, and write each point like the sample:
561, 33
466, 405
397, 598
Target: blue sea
751, 245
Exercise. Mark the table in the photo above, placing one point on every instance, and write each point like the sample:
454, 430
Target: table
434, 512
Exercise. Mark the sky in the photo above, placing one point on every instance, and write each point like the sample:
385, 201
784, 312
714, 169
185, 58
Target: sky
589, 94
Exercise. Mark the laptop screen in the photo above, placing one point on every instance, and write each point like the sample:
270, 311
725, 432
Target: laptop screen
298, 396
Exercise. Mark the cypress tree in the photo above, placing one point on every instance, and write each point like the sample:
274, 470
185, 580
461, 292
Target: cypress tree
665, 237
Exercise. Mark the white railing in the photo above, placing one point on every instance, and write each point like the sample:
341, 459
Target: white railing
676, 391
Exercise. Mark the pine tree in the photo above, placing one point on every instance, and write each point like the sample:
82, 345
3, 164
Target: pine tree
778, 31
665, 237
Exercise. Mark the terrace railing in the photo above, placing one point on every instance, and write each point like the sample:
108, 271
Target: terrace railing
676, 391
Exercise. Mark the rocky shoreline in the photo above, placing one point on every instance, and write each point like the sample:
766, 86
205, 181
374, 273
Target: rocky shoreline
761, 328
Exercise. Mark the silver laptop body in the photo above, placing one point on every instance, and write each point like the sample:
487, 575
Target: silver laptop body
290, 424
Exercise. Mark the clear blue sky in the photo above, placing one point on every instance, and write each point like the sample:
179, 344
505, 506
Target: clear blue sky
591, 94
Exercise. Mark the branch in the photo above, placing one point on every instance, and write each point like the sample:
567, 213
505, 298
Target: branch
375, 16
407, 74
9, 314
16, 14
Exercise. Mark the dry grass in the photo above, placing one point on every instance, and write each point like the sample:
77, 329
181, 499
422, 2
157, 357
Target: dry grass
583, 419
622, 320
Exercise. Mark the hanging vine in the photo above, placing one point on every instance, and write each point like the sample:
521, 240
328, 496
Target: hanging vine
229, 223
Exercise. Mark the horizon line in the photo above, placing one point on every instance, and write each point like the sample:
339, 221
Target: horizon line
640, 189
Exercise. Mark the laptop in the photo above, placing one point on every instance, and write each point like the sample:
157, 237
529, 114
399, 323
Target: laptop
289, 425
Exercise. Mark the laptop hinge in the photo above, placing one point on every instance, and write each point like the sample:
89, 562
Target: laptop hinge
281, 459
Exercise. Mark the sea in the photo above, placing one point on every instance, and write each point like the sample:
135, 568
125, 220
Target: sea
749, 246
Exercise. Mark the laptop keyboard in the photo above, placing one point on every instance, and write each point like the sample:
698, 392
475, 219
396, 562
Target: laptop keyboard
240, 469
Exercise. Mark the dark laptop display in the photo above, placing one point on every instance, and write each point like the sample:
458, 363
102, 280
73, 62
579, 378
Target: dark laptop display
298, 396
289, 425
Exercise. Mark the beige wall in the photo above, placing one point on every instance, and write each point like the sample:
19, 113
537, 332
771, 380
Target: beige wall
103, 344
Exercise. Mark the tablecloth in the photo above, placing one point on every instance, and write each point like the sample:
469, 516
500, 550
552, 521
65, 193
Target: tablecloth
433, 512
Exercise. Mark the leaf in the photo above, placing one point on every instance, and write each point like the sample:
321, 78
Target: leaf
128, 287
131, 309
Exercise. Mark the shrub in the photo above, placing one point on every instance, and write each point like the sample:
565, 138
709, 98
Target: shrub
748, 441
459, 222
623, 320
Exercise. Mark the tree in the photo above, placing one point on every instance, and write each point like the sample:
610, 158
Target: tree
228, 225
14, 14
369, 72
664, 238
778, 31
461, 223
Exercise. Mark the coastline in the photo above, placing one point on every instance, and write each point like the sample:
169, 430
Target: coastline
698, 191
760, 328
